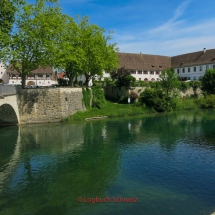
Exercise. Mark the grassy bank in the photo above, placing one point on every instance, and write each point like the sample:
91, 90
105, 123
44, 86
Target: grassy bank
113, 110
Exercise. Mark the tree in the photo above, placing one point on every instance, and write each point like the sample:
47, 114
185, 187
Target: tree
38, 38
7, 11
208, 81
98, 54
123, 77
169, 81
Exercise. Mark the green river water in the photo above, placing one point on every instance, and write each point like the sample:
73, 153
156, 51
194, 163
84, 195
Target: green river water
153, 165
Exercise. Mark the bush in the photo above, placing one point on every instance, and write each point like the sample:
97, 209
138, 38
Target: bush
208, 81
86, 97
99, 100
158, 100
207, 102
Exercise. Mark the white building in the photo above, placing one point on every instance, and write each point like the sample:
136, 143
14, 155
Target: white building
144, 67
192, 66
4, 76
39, 77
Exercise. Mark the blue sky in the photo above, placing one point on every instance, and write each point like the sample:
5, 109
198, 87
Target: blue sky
163, 27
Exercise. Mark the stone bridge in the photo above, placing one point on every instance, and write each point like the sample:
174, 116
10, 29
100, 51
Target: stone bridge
9, 111
41, 105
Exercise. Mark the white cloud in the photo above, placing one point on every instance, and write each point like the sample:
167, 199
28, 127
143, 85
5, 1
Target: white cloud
172, 38
172, 21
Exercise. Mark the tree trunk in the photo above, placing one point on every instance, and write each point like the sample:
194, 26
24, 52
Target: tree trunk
23, 80
71, 81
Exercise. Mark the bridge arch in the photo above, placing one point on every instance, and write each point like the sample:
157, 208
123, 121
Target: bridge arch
9, 113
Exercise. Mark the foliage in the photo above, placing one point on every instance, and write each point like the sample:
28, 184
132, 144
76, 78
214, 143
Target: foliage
157, 99
123, 77
169, 81
186, 104
7, 12
208, 81
207, 102
62, 82
86, 97
97, 53
99, 100
132, 95
37, 37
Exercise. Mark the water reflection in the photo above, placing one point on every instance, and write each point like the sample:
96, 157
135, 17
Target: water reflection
45, 168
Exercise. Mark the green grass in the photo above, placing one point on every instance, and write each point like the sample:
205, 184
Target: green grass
112, 110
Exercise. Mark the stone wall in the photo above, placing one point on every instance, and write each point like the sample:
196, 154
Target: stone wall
116, 93
48, 104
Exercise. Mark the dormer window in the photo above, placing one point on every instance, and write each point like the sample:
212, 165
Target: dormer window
160, 66
153, 66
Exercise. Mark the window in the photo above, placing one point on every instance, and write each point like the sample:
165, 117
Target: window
194, 78
188, 69
183, 70
207, 66
139, 72
133, 72
145, 72
194, 69
152, 72
157, 73
178, 71
200, 68
213, 66
139, 79
188, 78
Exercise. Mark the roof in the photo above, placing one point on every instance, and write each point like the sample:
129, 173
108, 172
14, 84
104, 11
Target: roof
47, 70
144, 61
194, 58
61, 75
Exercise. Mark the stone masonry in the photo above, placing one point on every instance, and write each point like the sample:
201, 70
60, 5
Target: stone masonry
48, 104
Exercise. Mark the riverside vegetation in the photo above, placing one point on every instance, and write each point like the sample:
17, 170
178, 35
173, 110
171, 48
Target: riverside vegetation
162, 96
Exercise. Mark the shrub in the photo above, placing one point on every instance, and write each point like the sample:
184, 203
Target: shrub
86, 97
157, 99
99, 100
207, 102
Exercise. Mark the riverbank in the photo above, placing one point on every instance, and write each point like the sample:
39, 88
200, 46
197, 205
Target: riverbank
113, 110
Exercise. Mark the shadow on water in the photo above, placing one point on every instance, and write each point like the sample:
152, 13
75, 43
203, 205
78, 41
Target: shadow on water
57, 163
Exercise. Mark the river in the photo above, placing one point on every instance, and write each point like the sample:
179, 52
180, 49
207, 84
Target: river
161, 164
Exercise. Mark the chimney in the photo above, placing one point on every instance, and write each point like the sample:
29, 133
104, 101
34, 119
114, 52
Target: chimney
204, 50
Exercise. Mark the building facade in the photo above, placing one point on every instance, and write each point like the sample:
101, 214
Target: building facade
39, 77
144, 67
192, 66
4, 76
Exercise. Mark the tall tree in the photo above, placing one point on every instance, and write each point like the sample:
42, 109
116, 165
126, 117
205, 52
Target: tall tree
169, 81
37, 39
99, 54
123, 77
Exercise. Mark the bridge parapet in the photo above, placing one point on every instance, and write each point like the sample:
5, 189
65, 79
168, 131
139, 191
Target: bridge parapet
6, 90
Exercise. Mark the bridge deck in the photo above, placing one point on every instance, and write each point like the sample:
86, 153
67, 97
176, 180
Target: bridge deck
6, 90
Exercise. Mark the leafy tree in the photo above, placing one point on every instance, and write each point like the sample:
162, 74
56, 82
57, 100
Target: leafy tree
169, 81
123, 77
38, 38
7, 12
208, 81
98, 53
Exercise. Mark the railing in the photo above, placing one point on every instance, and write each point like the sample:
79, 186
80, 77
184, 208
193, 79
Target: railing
7, 90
